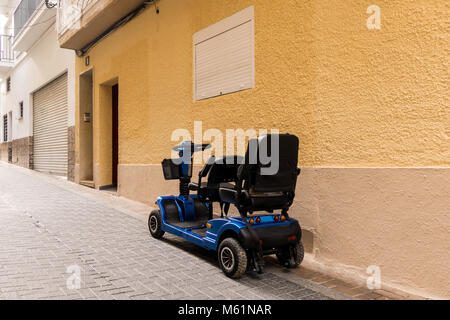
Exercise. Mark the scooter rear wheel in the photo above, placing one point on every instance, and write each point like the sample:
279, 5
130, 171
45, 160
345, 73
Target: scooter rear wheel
284, 256
232, 258
155, 224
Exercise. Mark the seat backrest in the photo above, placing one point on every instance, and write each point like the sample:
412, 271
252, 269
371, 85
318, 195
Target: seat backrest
272, 162
224, 170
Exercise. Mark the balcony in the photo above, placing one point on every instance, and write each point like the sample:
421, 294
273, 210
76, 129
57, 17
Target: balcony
6, 54
31, 20
80, 22
23, 13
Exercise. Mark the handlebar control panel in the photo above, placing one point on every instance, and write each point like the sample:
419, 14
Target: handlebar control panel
190, 147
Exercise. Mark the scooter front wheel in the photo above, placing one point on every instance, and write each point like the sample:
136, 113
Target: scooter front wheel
155, 224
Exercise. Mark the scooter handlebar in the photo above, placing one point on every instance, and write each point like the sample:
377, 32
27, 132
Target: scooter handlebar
188, 145
206, 146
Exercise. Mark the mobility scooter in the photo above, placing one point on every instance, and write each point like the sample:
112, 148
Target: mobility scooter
240, 242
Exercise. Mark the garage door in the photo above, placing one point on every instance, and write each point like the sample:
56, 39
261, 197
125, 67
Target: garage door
50, 128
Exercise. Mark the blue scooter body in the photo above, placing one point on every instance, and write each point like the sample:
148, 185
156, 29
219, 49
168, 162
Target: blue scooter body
215, 227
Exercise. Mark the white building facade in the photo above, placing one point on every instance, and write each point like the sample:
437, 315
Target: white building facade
37, 106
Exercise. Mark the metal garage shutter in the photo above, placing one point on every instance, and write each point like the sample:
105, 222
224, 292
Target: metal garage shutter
50, 128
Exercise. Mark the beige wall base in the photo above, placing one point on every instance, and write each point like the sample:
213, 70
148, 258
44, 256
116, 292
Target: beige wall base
22, 152
4, 151
394, 218
18, 152
77, 173
144, 183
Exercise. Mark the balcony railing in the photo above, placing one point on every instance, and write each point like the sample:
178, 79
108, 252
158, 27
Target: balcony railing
6, 51
23, 13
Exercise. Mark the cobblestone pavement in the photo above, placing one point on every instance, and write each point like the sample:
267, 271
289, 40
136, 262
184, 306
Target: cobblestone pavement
46, 228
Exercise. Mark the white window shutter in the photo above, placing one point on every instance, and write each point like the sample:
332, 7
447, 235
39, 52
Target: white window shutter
224, 56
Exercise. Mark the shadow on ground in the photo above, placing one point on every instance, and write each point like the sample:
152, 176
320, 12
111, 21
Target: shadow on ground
267, 283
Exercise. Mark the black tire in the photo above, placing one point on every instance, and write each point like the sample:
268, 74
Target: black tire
232, 258
299, 255
155, 224
284, 255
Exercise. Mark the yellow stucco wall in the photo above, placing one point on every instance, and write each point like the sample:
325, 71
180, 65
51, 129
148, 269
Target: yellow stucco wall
354, 97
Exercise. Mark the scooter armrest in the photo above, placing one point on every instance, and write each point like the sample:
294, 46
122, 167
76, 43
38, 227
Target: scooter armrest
193, 186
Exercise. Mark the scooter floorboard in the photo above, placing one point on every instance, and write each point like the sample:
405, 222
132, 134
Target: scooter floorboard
189, 224
200, 232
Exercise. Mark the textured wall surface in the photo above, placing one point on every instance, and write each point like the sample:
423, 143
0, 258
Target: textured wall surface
71, 154
22, 152
10, 152
355, 97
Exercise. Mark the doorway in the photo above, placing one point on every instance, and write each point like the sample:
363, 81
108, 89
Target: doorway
106, 137
9, 136
115, 134
86, 129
